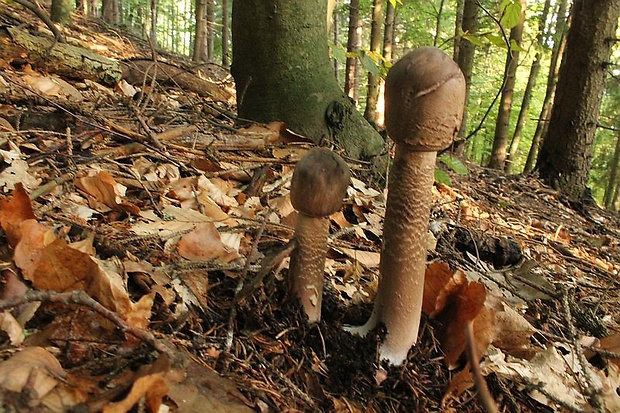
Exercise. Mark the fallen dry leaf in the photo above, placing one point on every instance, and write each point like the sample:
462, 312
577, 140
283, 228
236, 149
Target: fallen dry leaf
204, 243
453, 301
34, 369
13, 211
12, 328
152, 387
104, 189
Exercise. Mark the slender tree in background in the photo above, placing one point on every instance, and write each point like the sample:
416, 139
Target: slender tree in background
464, 56
529, 88
354, 43
200, 35
210, 30
500, 140
109, 11
565, 155
370, 113
225, 34
282, 72
557, 50
612, 183
386, 52
438, 18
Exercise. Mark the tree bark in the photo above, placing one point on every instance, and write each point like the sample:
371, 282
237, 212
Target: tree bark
565, 156
372, 96
438, 23
557, 50
465, 59
500, 140
458, 24
354, 43
225, 34
282, 72
210, 30
612, 183
109, 11
200, 35
529, 88
388, 42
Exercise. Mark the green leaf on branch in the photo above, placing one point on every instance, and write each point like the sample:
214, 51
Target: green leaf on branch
514, 46
496, 39
368, 62
511, 12
476, 40
454, 163
442, 177
338, 52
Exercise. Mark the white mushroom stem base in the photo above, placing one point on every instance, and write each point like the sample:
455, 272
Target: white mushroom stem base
398, 304
307, 284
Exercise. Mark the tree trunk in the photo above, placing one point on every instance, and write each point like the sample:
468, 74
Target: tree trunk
438, 23
388, 42
210, 30
200, 35
500, 140
465, 59
529, 88
354, 43
225, 34
557, 50
282, 72
565, 156
458, 24
612, 183
370, 113
109, 11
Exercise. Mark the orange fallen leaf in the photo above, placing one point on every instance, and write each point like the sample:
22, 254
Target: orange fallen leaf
103, 188
453, 301
13, 211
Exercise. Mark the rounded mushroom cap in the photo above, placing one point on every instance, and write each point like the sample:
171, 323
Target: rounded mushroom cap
319, 183
424, 99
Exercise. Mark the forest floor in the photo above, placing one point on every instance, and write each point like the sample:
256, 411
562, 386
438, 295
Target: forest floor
144, 251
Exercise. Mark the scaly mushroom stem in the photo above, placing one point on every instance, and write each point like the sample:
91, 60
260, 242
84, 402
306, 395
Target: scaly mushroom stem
403, 255
308, 261
424, 96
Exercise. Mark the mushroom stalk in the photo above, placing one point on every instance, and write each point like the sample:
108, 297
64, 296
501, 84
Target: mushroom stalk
398, 303
424, 98
308, 262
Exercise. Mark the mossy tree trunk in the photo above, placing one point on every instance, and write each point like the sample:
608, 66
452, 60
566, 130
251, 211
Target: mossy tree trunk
565, 156
282, 72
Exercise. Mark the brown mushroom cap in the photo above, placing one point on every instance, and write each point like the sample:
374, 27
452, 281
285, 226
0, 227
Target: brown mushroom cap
319, 183
424, 98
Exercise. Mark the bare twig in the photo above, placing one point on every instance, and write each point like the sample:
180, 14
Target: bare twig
474, 362
81, 298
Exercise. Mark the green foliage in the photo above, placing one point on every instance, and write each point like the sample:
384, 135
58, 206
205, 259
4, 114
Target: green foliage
510, 13
442, 177
454, 163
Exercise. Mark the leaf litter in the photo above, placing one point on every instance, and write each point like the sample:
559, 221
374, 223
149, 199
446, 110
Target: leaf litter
145, 253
